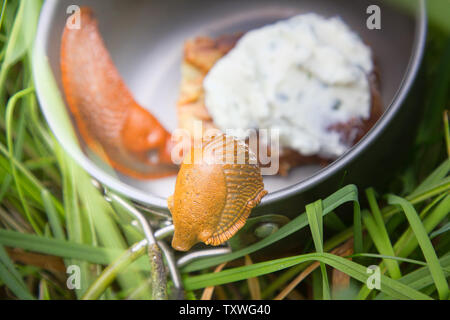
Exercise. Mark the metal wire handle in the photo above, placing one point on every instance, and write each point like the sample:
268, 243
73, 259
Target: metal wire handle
153, 239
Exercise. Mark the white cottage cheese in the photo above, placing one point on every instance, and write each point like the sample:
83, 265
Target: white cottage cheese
299, 76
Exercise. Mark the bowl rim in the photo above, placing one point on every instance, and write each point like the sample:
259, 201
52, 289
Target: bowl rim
156, 202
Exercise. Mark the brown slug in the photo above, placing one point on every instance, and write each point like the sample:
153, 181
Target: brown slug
215, 194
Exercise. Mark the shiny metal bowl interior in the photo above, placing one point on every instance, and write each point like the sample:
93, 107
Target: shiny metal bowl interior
145, 39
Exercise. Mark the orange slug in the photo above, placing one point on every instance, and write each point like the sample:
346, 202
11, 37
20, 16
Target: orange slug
109, 120
214, 196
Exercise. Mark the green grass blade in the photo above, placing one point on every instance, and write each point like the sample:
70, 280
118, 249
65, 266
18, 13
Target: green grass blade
315, 219
11, 277
440, 231
52, 215
18, 147
60, 248
111, 271
391, 287
44, 291
4, 258
435, 189
9, 114
407, 242
357, 228
317, 284
381, 256
425, 244
22, 34
77, 227
346, 194
381, 245
21, 37
424, 212
420, 278
379, 234
3, 12
65, 249
11, 282
9, 16
437, 175
32, 183
447, 132
431, 190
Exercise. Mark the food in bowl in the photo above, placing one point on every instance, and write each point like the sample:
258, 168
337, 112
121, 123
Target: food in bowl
311, 78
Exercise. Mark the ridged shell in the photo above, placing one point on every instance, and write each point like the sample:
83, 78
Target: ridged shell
216, 189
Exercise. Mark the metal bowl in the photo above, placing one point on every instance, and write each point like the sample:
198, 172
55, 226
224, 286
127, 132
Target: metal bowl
145, 39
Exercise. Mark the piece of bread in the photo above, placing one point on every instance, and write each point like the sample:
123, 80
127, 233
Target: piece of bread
200, 55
